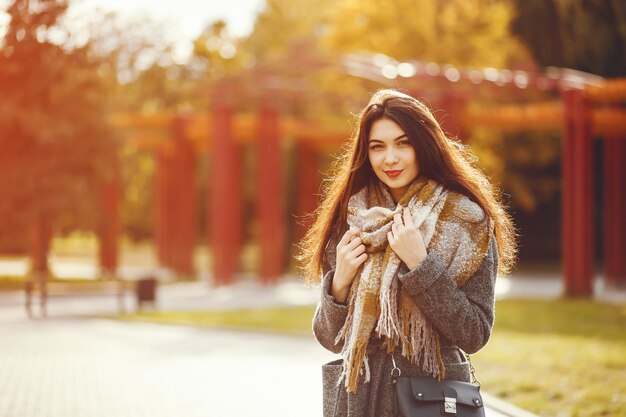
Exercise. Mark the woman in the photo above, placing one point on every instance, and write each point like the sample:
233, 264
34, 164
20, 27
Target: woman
407, 243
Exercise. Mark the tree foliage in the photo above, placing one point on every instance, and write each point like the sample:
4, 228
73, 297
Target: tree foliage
469, 33
588, 35
55, 144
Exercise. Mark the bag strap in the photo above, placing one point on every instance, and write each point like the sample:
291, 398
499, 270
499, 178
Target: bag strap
396, 372
472, 370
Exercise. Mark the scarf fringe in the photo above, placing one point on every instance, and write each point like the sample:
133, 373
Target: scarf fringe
421, 334
355, 360
388, 323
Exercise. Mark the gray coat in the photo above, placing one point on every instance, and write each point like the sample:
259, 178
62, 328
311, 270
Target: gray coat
463, 317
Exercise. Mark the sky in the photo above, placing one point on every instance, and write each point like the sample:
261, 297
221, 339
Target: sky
184, 19
190, 15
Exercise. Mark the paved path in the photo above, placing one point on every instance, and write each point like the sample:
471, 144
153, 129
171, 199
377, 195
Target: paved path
65, 368
74, 365
89, 368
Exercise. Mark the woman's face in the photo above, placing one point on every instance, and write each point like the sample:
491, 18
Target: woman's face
392, 156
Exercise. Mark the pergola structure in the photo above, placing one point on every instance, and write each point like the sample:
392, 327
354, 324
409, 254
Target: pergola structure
589, 108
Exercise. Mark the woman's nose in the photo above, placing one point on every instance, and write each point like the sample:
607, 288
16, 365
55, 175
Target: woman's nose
391, 157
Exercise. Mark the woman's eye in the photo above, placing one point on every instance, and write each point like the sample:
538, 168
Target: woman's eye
405, 142
375, 147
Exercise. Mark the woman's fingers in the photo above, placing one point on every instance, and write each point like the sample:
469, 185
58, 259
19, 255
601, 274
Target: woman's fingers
361, 258
397, 219
347, 237
353, 244
358, 250
406, 216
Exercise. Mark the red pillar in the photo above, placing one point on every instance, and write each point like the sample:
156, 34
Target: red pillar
110, 225
308, 186
577, 196
225, 203
183, 194
453, 104
270, 196
163, 210
614, 209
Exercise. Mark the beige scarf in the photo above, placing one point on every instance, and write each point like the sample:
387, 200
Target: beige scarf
451, 226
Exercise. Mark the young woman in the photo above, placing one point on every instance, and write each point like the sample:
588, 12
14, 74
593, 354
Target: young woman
407, 244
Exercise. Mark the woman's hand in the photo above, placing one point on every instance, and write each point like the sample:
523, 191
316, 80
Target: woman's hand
406, 240
350, 256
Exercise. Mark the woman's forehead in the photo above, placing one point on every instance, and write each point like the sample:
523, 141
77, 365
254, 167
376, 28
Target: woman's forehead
385, 129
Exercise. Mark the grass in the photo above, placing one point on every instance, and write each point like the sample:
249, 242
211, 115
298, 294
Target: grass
558, 358
16, 283
292, 320
554, 358
11, 283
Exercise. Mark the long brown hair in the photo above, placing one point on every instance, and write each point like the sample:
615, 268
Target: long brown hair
439, 158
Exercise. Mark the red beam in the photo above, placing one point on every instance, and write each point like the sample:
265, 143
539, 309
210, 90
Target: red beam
614, 205
270, 197
225, 200
577, 196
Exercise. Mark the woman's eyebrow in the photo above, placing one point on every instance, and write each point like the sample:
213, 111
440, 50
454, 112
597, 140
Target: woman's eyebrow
399, 137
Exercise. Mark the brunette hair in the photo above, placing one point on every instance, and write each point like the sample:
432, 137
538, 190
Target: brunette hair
440, 158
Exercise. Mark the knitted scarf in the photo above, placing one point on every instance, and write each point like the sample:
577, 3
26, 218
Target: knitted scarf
451, 225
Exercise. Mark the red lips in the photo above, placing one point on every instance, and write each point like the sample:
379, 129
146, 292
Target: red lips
393, 174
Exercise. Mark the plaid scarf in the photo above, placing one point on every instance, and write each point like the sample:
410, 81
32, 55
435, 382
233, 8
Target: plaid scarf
451, 226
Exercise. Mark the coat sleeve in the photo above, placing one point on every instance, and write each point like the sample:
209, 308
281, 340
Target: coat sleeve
330, 315
465, 316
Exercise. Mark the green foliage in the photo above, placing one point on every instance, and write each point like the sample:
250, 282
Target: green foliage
525, 164
447, 32
585, 35
137, 206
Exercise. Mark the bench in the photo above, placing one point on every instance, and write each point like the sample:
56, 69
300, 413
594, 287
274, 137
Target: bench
38, 283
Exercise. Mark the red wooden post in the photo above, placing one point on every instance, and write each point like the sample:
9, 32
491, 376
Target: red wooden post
577, 196
453, 104
110, 227
308, 186
163, 210
225, 199
614, 208
183, 219
270, 196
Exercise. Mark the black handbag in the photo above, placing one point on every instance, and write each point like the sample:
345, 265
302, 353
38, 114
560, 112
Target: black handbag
425, 396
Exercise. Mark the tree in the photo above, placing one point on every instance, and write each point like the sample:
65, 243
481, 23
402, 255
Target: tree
56, 146
587, 35
468, 33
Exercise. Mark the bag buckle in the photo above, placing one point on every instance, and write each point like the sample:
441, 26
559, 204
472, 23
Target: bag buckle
449, 405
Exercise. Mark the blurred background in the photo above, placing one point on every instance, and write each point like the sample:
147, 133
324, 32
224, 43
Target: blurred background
182, 145
92, 95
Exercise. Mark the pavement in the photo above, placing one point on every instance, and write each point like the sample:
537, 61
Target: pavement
72, 364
